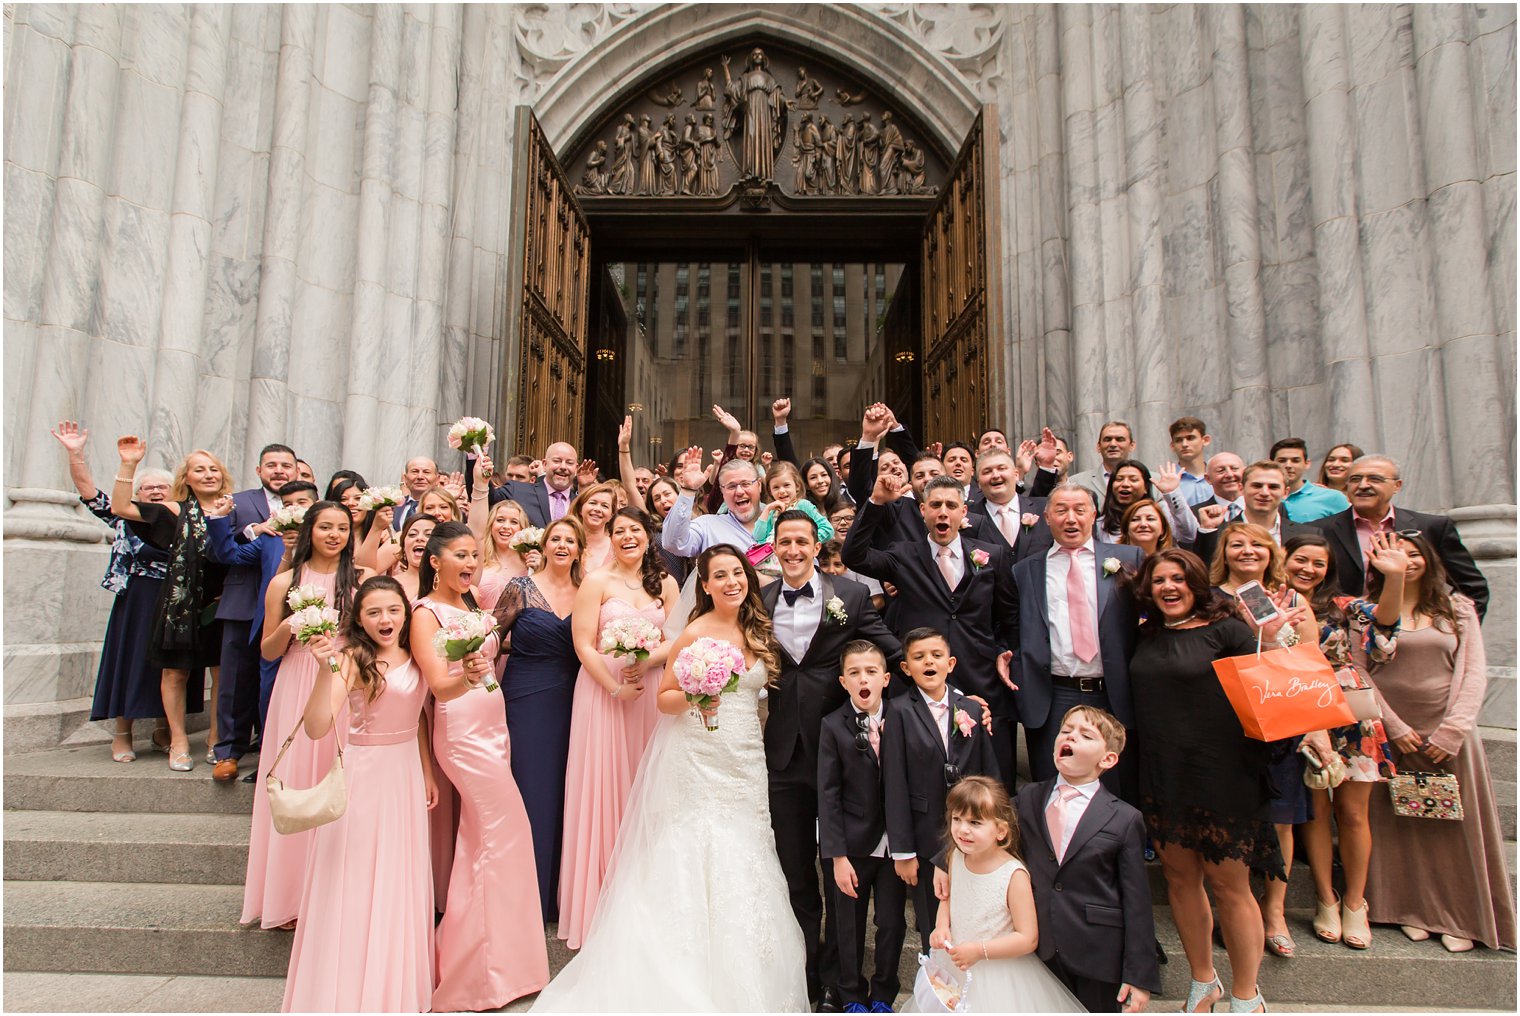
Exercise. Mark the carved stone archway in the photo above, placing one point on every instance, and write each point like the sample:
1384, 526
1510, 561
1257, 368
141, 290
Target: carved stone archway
885, 55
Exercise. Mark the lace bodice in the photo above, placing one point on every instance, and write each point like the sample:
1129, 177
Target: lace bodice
979, 903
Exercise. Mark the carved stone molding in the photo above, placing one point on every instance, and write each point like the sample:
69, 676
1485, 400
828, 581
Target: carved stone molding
968, 36
549, 36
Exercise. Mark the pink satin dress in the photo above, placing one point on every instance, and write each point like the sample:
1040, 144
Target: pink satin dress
607, 740
490, 944
276, 863
365, 939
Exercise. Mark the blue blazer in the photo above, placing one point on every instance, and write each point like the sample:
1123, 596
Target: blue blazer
260, 558
243, 592
1117, 626
534, 497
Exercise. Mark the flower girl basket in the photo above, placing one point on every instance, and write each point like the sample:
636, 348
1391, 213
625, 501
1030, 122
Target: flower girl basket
941, 986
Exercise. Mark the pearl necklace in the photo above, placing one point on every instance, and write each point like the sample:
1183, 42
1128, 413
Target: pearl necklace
1178, 623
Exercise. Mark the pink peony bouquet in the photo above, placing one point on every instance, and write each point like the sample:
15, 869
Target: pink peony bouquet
464, 635
706, 669
635, 637
471, 434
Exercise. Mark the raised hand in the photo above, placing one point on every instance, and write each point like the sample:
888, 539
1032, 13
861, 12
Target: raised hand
728, 421
536, 467
1211, 516
221, 506
1047, 453
766, 458
892, 423
1387, 556
71, 436
1167, 478
454, 484
937, 449
585, 474
1023, 459
780, 410
484, 468
131, 449
625, 436
873, 424
887, 489
689, 472
385, 516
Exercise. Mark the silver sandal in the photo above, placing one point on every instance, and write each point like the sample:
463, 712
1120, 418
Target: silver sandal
1200, 990
1248, 1004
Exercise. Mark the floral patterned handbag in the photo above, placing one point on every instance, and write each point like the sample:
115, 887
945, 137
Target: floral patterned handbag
1426, 795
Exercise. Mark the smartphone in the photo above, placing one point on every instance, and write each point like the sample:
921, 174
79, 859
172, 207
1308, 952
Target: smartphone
1311, 757
1257, 603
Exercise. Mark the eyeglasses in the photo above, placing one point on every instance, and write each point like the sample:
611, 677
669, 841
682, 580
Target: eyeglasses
1409, 534
738, 485
863, 734
1373, 478
952, 774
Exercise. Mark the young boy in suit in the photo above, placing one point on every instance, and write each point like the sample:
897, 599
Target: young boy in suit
1085, 850
852, 830
939, 738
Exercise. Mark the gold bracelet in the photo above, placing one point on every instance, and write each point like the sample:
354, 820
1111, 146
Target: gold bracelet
984, 950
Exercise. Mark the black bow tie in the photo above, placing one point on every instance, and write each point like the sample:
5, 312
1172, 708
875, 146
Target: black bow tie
792, 594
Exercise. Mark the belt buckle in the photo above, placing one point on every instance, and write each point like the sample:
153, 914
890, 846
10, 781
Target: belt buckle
1089, 685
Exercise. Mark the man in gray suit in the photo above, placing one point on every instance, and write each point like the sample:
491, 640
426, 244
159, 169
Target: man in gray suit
1116, 442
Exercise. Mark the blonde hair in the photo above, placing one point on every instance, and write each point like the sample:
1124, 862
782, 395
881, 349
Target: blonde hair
488, 556
1114, 734
179, 489
579, 504
439, 490
1219, 568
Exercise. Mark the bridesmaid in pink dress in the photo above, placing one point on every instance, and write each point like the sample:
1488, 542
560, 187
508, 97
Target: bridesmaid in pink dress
594, 507
490, 944
365, 942
495, 527
323, 557
613, 714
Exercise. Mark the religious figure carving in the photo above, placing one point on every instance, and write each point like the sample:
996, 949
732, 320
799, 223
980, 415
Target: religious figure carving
665, 153
870, 154
828, 148
594, 180
705, 98
707, 144
625, 170
846, 156
848, 98
913, 171
755, 99
649, 156
891, 152
687, 154
805, 145
808, 90
673, 97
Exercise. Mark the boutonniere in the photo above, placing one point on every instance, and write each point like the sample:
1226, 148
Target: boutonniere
1110, 565
979, 559
1028, 520
964, 723
834, 610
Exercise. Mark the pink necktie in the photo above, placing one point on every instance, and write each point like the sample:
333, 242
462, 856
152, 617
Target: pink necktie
1084, 639
947, 567
1055, 818
1007, 526
873, 732
939, 709
559, 502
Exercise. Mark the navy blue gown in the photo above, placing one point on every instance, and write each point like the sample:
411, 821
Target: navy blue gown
538, 687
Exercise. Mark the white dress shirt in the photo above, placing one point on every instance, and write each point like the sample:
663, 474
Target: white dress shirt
957, 559
275, 504
1075, 808
796, 625
944, 721
1011, 510
1063, 658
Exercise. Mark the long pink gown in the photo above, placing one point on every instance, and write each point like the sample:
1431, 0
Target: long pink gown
490, 944
276, 863
365, 940
607, 741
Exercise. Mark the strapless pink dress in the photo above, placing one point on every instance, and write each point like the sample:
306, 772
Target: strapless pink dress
607, 741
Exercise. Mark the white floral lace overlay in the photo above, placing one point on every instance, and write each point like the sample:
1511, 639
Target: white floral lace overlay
693, 915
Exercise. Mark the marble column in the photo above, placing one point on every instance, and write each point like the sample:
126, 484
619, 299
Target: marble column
1084, 226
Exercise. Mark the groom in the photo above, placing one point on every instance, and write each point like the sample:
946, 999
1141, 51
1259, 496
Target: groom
814, 617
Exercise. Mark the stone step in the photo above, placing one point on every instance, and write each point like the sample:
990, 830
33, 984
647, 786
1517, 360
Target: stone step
1499, 747
1499, 699
44, 726
54, 992
85, 779
81, 846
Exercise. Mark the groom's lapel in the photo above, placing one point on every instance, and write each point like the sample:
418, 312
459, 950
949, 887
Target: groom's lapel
826, 591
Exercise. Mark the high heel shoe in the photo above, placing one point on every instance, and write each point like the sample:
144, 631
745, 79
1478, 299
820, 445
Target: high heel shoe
1200, 990
1357, 933
129, 755
1248, 1004
1327, 920
180, 761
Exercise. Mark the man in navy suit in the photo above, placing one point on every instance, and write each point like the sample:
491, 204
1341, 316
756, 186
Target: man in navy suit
237, 696
948, 581
420, 476
548, 497
1076, 627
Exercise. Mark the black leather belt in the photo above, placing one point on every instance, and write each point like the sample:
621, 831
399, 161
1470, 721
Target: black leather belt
1088, 685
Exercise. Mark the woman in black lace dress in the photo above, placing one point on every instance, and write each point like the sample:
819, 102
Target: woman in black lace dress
1204, 787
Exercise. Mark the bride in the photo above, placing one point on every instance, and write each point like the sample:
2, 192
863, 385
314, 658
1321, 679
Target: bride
693, 915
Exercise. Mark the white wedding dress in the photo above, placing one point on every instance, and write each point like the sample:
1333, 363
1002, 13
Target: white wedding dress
693, 915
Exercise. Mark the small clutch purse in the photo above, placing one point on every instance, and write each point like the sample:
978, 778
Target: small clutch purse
1426, 795
294, 811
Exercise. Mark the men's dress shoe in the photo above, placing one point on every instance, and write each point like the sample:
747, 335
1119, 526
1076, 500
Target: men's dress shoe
828, 1001
877, 1005
225, 770
252, 777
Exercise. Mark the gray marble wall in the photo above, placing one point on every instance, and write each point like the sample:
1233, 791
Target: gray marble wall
228, 225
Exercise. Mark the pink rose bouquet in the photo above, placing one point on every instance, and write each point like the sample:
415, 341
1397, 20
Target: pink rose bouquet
464, 635
472, 434
631, 637
706, 669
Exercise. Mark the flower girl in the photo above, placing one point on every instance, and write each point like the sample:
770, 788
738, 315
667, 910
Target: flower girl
988, 924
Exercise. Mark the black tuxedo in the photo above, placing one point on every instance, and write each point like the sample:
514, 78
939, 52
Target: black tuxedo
851, 823
915, 761
807, 690
1094, 905
977, 618
1034, 540
1206, 545
1351, 570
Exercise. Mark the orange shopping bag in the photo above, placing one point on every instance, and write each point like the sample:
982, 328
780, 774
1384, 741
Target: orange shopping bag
1282, 693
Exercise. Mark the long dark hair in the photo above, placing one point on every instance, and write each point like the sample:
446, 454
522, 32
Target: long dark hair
651, 569
444, 534
830, 500
1208, 606
1112, 519
347, 576
334, 483
362, 649
657, 516
753, 619
1324, 477
1323, 601
1435, 586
